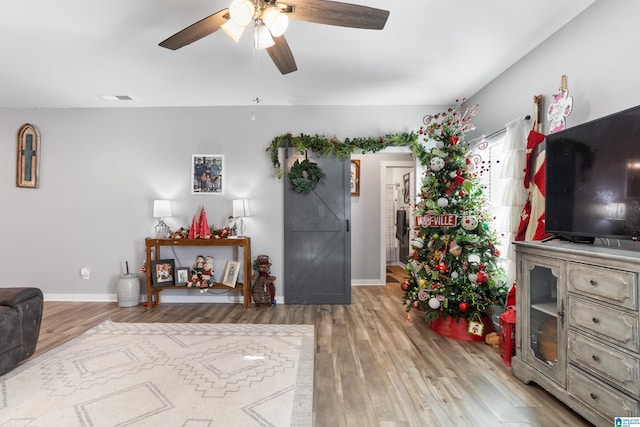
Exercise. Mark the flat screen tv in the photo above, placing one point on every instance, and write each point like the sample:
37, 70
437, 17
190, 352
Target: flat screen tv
593, 179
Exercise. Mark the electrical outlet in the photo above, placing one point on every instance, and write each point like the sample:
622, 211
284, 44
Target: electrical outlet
85, 273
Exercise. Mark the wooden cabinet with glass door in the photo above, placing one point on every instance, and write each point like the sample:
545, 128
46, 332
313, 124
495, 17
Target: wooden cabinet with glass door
577, 326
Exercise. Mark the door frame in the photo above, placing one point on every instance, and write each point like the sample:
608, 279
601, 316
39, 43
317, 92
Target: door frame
383, 189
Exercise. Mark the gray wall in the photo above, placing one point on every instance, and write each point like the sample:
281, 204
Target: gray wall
598, 53
101, 169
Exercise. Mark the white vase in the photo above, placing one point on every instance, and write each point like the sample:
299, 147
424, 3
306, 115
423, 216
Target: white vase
128, 290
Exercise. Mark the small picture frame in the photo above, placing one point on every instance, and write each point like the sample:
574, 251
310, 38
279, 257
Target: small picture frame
355, 177
182, 276
406, 188
207, 174
162, 272
230, 275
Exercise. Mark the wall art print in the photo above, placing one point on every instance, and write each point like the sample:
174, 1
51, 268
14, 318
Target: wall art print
207, 174
28, 157
355, 177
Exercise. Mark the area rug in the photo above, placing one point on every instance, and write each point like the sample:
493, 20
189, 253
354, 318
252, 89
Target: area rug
167, 374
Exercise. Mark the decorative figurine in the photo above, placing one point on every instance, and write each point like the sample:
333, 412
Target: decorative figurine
263, 290
201, 273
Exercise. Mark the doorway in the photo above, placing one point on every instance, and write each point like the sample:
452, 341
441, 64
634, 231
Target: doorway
397, 196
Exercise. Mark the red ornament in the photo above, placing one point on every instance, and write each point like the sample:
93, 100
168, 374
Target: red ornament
405, 286
442, 267
482, 276
463, 306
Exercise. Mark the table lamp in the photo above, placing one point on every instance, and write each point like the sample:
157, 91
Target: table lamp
161, 210
241, 210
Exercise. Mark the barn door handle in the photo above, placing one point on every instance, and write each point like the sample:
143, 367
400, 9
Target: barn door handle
347, 226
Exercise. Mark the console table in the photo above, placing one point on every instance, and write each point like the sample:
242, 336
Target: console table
153, 292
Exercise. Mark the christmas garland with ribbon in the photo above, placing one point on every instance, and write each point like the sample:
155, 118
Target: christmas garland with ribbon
308, 176
304, 176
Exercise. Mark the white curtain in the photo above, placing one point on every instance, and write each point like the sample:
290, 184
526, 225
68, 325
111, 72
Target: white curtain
512, 193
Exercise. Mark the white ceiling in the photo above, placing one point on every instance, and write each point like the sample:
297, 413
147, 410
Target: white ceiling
66, 53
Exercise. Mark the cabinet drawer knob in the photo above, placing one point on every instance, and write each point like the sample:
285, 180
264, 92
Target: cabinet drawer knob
594, 396
595, 320
595, 358
593, 283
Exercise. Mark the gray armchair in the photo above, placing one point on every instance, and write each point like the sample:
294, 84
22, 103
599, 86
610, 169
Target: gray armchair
20, 318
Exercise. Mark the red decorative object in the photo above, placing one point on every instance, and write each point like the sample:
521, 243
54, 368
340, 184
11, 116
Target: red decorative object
193, 231
458, 329
463, 306
508, 334
511, 296
481, 277
203, 226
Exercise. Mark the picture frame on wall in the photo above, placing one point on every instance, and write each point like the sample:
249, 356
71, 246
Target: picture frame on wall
182, 276
207, 174
162, 272
355, 177
406, 188
230, 275
28, 157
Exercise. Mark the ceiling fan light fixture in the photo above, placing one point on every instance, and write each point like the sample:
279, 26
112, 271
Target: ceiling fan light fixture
242, 11
233, 30
262, 36
276, 22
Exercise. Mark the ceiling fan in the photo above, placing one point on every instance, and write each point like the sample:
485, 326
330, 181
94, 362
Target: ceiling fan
270, 19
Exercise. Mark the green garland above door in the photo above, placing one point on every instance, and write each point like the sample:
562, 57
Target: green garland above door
306, 175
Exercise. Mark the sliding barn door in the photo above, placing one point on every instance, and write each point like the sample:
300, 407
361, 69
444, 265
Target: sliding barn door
317, 241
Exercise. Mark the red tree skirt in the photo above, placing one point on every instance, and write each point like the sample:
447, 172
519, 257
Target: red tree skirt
458, 330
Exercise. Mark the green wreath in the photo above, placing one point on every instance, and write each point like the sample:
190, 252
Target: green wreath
304, 176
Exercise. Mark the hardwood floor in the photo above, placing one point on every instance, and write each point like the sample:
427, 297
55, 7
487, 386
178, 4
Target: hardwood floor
372, 368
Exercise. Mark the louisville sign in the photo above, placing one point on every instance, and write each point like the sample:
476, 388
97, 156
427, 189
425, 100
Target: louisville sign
449, 220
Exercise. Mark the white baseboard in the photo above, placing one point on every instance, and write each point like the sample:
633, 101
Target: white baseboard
368, 282
190, 297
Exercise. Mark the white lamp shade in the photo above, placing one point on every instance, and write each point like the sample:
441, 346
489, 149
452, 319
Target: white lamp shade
233, 29
276, 22
240, 207
161, 208
241, 11
263, 37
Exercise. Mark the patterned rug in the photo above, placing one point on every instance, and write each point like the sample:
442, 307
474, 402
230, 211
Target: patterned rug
167, 374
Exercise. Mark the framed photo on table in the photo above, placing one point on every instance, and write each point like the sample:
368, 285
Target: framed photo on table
182, 276
207, 174
230, 275
162, 272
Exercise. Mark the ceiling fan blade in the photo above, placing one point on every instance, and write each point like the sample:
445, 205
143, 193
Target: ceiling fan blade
196, 31
281, 55
340, 14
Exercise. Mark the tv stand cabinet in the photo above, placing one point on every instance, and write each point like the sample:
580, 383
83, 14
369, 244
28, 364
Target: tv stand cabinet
153, 253
577, 326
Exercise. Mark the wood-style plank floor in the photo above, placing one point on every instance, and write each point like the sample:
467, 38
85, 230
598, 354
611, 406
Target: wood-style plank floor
372, 368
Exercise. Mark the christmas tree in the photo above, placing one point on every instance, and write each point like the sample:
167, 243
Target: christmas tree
454, 269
